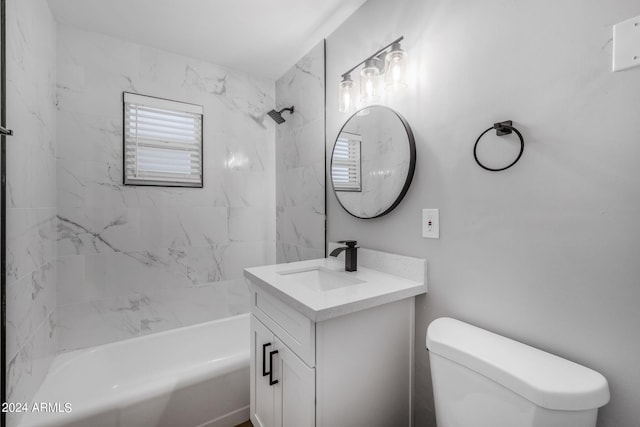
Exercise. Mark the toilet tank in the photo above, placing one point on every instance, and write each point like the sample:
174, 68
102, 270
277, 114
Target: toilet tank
481, 379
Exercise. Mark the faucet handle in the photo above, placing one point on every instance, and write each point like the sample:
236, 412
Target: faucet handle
349, 243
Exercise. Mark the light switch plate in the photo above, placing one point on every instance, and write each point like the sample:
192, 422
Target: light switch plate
626, 44
431, 223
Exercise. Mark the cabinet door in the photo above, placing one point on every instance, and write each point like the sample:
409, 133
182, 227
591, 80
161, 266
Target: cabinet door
295, 393
262, 392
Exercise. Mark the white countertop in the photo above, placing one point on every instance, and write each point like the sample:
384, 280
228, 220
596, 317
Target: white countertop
377, 288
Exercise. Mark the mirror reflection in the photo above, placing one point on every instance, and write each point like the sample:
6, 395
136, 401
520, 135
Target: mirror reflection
373, 161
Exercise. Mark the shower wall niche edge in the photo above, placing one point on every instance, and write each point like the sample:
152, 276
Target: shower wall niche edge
31, 334
300, 176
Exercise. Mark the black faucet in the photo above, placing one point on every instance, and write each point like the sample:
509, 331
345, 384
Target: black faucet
351, 254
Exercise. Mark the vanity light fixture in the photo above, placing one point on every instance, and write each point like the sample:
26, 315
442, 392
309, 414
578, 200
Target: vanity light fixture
388, 64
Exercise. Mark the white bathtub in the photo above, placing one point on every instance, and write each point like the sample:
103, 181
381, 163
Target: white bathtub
187, 377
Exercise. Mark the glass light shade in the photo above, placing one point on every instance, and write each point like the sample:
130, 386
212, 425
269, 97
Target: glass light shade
396, 68
346, 100
370, 81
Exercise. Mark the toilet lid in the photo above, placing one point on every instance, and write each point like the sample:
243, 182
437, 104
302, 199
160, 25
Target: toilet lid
545, 379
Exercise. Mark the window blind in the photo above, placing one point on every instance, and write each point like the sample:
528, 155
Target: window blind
345, 166
162, 142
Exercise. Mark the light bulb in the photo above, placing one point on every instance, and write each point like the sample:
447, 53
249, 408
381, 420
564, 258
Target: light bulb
369, 81
345, 96
396, 73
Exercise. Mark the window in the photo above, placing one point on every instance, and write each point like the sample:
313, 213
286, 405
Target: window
162, 142
345, 167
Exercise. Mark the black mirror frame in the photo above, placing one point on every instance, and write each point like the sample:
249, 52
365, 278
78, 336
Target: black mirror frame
410, 172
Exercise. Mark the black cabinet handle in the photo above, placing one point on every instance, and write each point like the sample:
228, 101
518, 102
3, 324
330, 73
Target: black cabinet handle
264, 359
271, 380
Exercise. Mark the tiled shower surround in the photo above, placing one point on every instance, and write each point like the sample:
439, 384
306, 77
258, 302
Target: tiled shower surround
137, 260
91, 261
31, 198
300, 175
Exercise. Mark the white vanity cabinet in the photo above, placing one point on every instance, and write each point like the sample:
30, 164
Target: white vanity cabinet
282, 392
354, 369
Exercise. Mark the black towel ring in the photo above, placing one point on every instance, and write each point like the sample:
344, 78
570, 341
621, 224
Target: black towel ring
502, 128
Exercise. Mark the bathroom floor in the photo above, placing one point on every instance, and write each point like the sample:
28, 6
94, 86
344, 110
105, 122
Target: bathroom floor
245, 424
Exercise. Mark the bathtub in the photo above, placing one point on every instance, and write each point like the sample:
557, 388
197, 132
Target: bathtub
192, 376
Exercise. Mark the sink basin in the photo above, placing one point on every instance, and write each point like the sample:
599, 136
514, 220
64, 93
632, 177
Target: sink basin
320, 289
320, 279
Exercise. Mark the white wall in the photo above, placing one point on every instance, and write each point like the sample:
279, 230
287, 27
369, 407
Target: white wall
545, 252
31, 198
138, 260
300, 211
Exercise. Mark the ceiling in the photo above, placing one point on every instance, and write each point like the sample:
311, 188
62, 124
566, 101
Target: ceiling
263, 37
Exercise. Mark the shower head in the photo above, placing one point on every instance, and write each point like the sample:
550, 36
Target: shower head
277, 115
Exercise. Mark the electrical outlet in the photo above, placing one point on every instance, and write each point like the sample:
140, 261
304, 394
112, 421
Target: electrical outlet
626, 44
431, 223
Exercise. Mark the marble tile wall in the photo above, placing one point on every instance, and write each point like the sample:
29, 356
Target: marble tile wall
137, 260
300, 176
31, 198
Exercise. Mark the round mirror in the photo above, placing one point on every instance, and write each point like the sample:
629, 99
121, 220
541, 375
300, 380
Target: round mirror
373, 161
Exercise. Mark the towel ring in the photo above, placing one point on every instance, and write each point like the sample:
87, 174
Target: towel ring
502, 128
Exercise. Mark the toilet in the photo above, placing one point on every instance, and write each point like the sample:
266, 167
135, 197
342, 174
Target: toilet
481, 379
